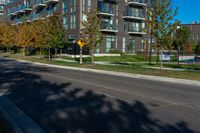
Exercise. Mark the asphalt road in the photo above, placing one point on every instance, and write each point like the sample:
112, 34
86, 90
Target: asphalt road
68, 101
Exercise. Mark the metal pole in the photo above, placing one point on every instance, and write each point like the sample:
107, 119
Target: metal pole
81, 55
161, 60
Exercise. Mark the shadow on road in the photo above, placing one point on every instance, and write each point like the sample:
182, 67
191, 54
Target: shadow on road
60, 108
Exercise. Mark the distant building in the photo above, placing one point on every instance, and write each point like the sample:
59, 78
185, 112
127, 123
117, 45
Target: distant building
195, 31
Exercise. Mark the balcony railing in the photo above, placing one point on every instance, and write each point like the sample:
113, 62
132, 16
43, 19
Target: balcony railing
26, 8
11, 13
51, 1
39, 3
18, 21
138, 2
108, 28
134, 15
21, 9
105, 11
36, 16
135, 30
105, 8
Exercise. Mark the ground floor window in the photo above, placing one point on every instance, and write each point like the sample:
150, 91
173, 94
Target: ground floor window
110, 43
131, 46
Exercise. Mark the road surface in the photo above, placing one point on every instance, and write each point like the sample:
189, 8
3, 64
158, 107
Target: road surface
69, 101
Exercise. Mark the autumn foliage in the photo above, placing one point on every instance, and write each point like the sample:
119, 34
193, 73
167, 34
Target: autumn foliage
41, 34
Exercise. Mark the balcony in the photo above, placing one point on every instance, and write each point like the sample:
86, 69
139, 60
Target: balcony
35, 16
51, 1
137, 2
135, 30
18, 11
1, 9
134, 15
108, 28
39, 4
106, 11
18, 21
105, 8
12, 14
26, 8
2, 2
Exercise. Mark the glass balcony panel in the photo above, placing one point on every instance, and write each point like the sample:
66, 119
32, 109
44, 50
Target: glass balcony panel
138, 2
105, 8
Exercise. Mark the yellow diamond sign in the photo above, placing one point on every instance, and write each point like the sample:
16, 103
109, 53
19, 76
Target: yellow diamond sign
81, 43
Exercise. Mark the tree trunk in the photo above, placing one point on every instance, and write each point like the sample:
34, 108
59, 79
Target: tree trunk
161, 59
49, 54
150, 51
81, 55
178, 54
60, 52
157, 56
92, 56
40, 52
27, 51
56, 51
7, 50
24, 51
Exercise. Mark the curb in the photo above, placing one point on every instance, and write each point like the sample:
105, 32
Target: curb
122, 74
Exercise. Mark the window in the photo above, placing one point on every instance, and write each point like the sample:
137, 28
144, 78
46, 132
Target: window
65, 7
73, 21
65, 22
131, 46
72, 14
110, 43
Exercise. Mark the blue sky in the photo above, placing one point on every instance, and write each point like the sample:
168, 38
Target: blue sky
188, 10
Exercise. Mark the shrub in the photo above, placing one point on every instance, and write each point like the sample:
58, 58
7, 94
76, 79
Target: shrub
197, 49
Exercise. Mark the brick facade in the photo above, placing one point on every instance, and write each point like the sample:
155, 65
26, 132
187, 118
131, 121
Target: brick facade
122, 20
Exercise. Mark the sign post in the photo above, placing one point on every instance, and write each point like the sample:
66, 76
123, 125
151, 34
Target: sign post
81, 43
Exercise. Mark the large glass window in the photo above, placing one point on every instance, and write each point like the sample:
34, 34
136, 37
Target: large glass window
110, 43
131, 46
72, 14
73, 21
65, 22
65, 7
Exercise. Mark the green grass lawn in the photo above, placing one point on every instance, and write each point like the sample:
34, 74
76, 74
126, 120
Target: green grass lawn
133, 68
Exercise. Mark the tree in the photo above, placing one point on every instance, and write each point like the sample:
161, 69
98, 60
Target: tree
38, 34
8, 36
161, 22
92, 34
54, 35
25, 38
187, 48
197, 49
181, 37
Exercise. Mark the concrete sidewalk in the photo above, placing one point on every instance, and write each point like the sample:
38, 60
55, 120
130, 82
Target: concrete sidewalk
138, 76
130, 63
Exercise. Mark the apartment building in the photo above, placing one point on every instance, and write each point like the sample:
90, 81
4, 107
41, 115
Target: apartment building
122, 21
2, 4
194, 31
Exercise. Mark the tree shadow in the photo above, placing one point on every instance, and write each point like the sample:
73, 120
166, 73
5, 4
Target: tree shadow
61, 108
